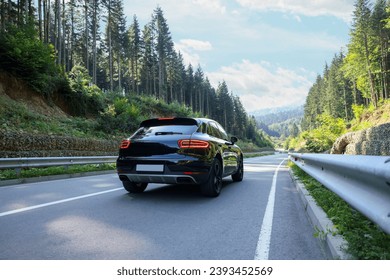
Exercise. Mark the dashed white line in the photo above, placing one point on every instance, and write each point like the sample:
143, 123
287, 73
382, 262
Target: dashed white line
264, 242
55, 202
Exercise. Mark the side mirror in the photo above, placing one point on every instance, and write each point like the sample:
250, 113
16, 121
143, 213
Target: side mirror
233, 139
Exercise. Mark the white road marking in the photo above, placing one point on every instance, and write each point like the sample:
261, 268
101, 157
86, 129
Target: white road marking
264, 242
55, 202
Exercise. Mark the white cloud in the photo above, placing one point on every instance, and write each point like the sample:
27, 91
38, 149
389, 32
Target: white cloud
260, 85
338, 8
298, 18
189, 48
196, 44
211, 5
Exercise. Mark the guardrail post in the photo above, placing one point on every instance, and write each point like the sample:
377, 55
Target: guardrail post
18, 172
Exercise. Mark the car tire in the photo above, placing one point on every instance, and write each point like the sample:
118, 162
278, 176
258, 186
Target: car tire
212, 187
134, 187
239, 175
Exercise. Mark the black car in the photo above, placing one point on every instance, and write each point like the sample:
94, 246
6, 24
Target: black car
179, 151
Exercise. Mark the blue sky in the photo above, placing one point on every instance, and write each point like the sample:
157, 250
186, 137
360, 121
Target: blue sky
269, 52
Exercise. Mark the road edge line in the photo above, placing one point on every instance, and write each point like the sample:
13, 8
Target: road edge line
42, 205
264, 241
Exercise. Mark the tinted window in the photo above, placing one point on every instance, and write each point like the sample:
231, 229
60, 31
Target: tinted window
210, 130
203, 128
166, 130
223, 132
213, 130
168, 121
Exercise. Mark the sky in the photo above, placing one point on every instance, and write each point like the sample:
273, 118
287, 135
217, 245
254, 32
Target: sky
269, 52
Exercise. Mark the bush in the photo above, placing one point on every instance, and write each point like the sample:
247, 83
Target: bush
25, 56
357, 111
121, 116
86, 98
322, 138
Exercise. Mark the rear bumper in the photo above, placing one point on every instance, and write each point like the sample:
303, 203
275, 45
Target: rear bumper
159, 179
182, 171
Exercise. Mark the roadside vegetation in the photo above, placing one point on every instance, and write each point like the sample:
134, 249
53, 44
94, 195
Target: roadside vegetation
366, 241
328, 128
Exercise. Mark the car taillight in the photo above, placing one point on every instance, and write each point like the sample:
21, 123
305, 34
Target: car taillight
125, 144
193, 144
165, 119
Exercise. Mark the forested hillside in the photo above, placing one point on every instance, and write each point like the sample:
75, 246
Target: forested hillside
281, 123
358, 76
86, 57
356, 81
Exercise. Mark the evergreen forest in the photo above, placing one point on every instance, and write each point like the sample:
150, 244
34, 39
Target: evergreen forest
86, 55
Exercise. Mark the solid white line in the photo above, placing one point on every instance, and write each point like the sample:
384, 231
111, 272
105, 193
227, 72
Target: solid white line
264, 242
55, 202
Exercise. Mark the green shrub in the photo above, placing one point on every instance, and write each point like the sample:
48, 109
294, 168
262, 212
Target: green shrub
26, 57
322, 138
86, 98
357, 111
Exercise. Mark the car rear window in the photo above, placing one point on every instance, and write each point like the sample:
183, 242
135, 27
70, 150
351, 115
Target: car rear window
168, 121
167, 126
166, 130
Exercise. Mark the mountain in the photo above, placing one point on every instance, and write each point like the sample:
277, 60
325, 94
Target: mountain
277, 122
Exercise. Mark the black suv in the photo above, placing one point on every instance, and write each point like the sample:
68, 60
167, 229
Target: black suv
179, 151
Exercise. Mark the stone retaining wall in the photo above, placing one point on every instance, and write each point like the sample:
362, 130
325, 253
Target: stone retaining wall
18, 144
373, 141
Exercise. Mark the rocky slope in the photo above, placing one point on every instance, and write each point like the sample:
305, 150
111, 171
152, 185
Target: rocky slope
372, 141
15, 142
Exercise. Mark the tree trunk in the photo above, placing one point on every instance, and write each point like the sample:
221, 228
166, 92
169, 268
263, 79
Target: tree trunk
39, 19
86, 35
370, 75
94, 67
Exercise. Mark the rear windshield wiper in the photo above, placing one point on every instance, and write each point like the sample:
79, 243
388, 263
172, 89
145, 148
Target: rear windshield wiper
167, 133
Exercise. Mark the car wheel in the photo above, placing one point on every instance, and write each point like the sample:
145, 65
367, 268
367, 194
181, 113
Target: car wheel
134, 187
239, 175
212, 187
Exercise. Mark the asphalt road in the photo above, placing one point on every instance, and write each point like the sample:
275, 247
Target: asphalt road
95, 218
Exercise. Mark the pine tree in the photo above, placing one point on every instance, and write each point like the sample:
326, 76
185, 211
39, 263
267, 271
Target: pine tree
164, 49
190, 87
198, 92
361, 45
134, 54
148, 61
381, 37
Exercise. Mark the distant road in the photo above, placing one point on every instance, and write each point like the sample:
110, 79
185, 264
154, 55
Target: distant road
95, 218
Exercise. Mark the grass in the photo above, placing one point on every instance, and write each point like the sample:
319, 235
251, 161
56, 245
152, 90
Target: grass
17, 116
366, 241
10, 174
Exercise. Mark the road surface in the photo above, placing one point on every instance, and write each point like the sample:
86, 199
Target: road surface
95, 218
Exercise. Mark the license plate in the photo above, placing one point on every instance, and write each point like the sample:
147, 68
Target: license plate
150, 167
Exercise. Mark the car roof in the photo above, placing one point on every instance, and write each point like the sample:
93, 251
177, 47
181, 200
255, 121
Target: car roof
174, 121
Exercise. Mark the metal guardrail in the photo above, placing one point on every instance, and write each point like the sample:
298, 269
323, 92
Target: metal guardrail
361, 181
35, 162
